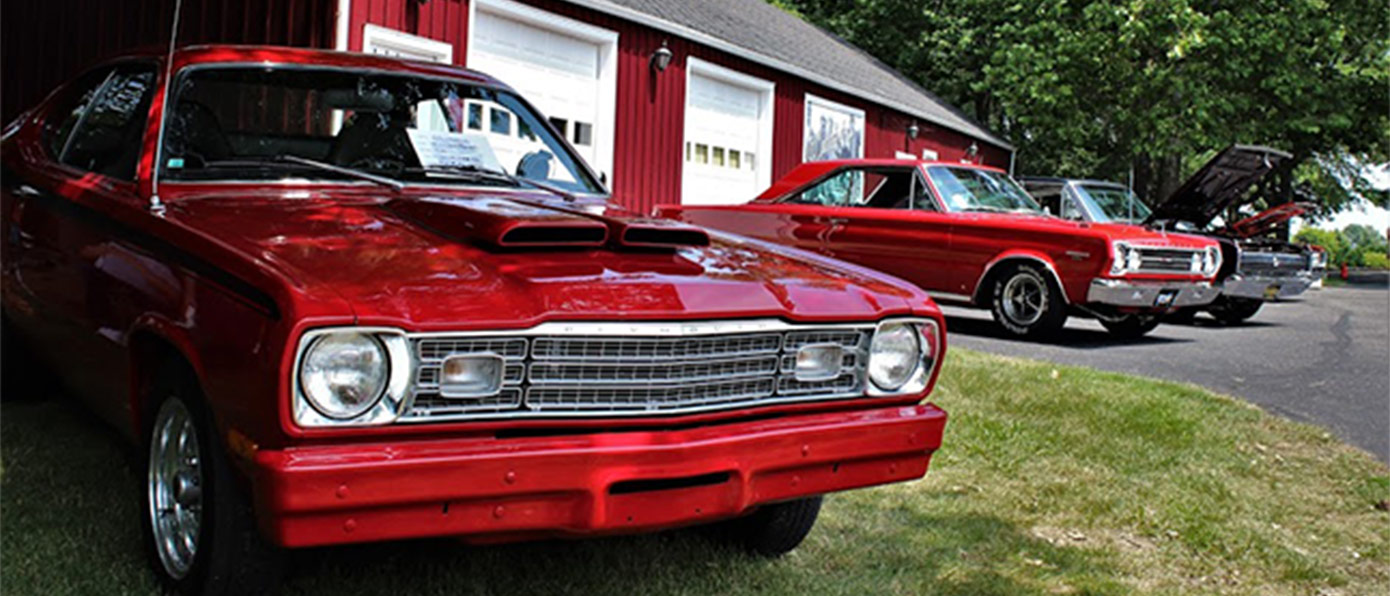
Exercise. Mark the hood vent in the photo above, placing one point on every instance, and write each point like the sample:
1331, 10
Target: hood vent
660, 235
502, 223
553, 235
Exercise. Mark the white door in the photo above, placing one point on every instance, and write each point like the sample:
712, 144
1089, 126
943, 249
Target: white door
557, 73
727, 136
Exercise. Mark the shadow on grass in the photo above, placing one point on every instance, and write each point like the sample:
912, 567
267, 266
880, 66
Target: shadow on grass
70, 503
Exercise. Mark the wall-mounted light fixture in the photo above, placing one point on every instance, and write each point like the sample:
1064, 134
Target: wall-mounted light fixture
661, 58
913, 130
972, 152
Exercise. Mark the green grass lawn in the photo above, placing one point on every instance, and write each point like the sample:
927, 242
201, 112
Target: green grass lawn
1052, 480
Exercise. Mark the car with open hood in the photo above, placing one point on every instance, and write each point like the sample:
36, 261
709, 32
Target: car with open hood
1259, 267
338, 298
969, 235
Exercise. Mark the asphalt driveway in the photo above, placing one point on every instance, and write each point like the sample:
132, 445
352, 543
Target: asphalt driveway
1324, 359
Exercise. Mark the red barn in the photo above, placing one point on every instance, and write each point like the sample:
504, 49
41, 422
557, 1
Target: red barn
672, 100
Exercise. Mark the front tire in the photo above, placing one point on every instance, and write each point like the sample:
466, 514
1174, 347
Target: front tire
199, 529
774, 530
1131, 326
1027, 303
1234, 311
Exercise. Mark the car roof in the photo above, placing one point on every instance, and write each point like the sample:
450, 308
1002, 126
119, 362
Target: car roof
1060, 180
809, 171
205, 54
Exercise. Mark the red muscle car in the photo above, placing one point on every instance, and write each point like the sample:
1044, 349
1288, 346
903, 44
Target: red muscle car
1259, 267
969, 235
340, 298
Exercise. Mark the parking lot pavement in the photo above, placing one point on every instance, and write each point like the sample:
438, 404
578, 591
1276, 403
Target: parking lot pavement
1324, 359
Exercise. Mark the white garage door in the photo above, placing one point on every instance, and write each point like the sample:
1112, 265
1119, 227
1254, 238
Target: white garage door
558, 73
727, 125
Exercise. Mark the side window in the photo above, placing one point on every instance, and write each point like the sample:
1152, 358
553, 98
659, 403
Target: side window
68, 109
1071, 209
107, 136
843, 189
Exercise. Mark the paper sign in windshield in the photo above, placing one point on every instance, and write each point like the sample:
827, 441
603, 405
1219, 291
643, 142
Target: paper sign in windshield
438, 149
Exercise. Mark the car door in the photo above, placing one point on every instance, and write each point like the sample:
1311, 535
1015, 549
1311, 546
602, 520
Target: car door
890, 223
64, 235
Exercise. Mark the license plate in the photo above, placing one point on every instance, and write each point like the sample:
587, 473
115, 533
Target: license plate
1272, 292
1166, 298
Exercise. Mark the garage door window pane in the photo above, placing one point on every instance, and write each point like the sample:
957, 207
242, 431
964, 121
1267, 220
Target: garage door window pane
561, 125
701, 153
719, 156
523, 130
501, 122
748, 157
583, 134
734, 161
475, 116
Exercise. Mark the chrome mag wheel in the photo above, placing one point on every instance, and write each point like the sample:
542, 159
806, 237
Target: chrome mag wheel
175, 490
1024, 299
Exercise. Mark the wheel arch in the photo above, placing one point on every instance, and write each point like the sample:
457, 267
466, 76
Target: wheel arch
155, 345
999, 265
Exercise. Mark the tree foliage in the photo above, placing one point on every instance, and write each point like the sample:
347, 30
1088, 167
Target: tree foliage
1355, 245
1149, 88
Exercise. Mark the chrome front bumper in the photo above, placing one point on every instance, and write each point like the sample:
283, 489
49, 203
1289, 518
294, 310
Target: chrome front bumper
1266, 287
1150, 294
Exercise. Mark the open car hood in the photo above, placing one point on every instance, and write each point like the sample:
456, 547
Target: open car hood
1265, 221
1220, 184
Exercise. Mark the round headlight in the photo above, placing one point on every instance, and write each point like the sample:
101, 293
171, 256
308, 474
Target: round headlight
344, 374
894, 355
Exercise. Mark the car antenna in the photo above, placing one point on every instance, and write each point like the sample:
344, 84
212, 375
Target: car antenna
156, 205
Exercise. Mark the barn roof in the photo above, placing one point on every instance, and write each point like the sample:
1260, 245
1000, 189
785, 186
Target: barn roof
771, 36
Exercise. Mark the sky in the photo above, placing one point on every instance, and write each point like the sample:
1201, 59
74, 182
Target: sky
1360, 212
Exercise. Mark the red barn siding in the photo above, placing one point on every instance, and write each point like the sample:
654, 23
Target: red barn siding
440, 20
650, 119
46, 42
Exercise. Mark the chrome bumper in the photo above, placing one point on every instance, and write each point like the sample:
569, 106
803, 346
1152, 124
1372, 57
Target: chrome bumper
1156, 295
1264, 287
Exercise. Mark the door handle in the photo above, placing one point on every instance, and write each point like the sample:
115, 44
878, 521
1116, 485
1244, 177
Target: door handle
24, 190
837, 221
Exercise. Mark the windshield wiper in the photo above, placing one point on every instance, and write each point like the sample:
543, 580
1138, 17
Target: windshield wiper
328, 167
475, 172
985, 208
282, 160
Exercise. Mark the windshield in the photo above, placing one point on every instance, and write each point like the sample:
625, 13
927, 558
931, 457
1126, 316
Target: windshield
258, 123
971, 189
1112, 203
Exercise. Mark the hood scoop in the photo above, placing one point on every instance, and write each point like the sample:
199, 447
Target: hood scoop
658, 234
629, 230
502, 223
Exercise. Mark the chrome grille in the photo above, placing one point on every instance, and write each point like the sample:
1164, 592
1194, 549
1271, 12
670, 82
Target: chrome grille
1273, 264
549, 374
1167, 260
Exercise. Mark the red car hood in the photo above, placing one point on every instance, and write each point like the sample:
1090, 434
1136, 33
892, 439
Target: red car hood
393, 268
1106, 231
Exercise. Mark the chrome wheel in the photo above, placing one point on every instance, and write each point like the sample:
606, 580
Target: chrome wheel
175, 486
1024, 299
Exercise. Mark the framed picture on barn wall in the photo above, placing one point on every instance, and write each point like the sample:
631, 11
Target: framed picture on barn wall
832, 130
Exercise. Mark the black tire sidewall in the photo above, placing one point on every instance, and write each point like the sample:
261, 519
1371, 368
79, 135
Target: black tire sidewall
231, 558
170, 387
1053, 315
1234, 311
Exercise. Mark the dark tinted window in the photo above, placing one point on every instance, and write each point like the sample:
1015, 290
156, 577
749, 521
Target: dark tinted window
107, 136
68, 108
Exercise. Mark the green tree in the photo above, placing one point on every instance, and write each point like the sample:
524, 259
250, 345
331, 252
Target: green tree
1150, 88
